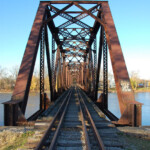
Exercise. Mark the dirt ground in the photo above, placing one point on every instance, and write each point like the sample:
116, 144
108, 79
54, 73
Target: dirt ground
22, 138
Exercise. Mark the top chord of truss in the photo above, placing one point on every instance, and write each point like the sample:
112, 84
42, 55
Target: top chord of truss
81, 1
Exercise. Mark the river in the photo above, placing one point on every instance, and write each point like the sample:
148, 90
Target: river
32, 105
113, 106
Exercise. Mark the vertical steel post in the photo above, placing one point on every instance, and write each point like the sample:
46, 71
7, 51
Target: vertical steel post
48, 63
85, 77
99, 62
60, 74
88, 73
57, 69
94, 68
82, 70
68, 79
91, 74
105, 73
42, 69
64, 75
53, 68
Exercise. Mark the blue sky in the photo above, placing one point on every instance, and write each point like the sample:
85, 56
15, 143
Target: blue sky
131, 17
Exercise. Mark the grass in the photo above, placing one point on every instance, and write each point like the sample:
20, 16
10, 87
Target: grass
19, 142
134, 143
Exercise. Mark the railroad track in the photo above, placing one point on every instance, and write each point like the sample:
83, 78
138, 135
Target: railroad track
76, 126
48, 114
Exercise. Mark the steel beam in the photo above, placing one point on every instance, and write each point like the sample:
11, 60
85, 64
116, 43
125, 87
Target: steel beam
89, 13
23, 82
70, 1
49, 63
99, 62
58, 13
123, 86
105, 73
42, 51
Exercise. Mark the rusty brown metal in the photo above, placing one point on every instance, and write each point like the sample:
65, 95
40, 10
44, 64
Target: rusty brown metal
42, 62
26, 69
23, 82
99, 62
49, 63
61, 11
79, 1
123, 86
73, 59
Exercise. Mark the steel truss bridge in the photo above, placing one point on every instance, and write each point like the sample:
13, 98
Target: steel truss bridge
82, 33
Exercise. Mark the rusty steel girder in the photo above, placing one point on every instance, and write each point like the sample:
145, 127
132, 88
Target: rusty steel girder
123, 86
21, 91
74, 59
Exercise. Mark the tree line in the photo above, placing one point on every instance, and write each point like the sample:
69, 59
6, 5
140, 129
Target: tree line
8, 79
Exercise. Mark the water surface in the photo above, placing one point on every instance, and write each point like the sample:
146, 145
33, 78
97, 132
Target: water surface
32, 105
113, 105
143, 98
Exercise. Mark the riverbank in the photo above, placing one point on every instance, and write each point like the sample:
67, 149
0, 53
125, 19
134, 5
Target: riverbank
22, 138
138, 90
19, 138
142, 90
9, 91
135, 138
5, 91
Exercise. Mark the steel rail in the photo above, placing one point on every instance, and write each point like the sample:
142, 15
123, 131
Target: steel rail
59, 125
84, 126
52, 123
97, 136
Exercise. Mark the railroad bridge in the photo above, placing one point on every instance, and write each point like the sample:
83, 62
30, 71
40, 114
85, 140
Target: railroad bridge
74, 38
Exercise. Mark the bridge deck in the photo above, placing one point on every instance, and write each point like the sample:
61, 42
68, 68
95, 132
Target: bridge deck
71, 133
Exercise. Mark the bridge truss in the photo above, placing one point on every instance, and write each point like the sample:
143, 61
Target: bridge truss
74, 54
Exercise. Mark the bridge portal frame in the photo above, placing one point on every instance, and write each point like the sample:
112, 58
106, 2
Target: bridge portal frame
130, 109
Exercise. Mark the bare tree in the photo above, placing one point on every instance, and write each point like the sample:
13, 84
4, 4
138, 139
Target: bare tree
135, 79
14, 72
